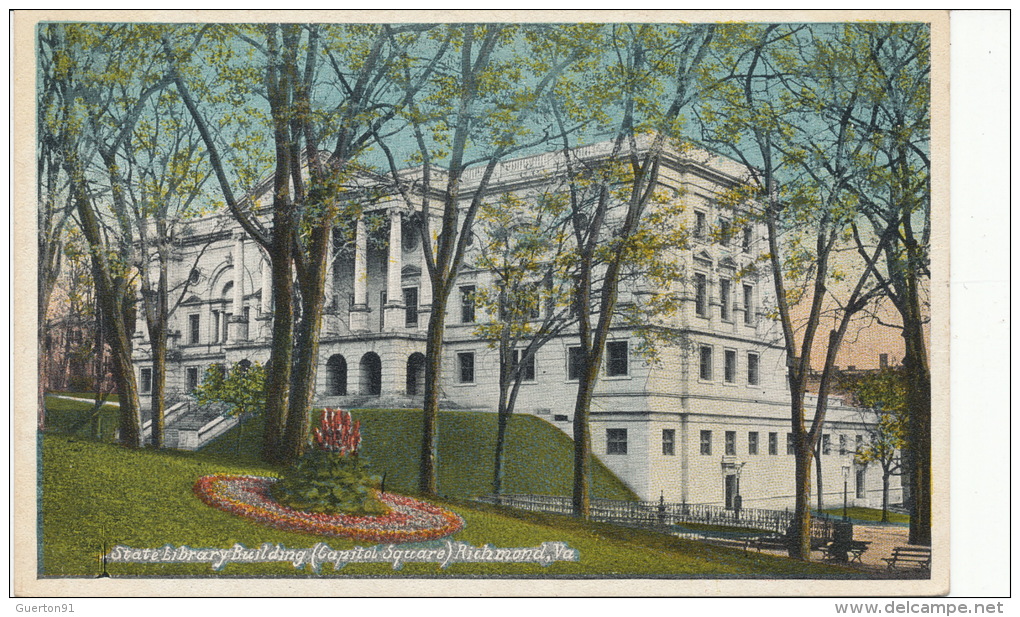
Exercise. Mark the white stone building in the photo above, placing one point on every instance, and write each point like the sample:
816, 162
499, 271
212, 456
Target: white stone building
709, 420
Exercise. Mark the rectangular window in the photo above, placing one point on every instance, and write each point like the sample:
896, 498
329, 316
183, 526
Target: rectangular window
466, 366
192, 378
616, 441
748, 305
773, 444
467, 304
790, 446
730, 366
193, 329
725, 233
860, 482
411, 307
215, 327
731, 443
859, 442
145, 380
700, 295
842, 445
746, 244
705, 363
724, 299
826, 444
699, 225
752, 442
752, 369
668, 441
616, 358
575, 363
528, 368
706, 442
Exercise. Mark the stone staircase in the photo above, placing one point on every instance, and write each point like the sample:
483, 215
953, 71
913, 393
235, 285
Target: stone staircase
189, 426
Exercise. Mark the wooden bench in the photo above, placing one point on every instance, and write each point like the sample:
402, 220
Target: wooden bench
913, 556
740, 543
773, 543
854, 550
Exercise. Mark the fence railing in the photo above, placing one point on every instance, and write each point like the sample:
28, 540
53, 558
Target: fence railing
664, 514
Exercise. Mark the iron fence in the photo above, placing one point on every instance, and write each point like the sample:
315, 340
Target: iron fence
661, 514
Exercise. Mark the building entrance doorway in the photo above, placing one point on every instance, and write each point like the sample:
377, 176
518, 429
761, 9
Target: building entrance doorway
731, 489
336, 375
371, 374
415, 374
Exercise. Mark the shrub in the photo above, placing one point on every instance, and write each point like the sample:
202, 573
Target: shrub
331, 478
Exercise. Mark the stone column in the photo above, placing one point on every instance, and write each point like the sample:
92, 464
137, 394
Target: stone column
424, 290
359, 310
393, 312
265, 318
237, 325
331, 307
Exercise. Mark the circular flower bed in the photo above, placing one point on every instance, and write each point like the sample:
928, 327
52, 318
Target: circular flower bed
408, 520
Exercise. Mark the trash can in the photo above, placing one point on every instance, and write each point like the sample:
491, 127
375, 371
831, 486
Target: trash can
842, 537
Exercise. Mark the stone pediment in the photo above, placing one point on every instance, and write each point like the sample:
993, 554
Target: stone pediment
192, 299
703, 256
727, 262
410, 271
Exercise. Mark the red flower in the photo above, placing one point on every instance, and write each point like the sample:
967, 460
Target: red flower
337, 433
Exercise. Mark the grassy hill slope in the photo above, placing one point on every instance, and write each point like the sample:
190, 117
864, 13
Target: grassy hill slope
95, 494
539, 456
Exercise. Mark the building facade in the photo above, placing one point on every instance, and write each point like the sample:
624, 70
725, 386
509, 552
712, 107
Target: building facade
709, 420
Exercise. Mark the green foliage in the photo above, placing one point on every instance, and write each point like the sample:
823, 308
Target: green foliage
332, 483
884, 394
242, 389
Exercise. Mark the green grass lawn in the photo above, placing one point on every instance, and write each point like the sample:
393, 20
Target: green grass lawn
868, 514
539, 456
71, 416
95, 493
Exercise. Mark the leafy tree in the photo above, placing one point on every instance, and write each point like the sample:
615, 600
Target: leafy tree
480, 106
785, 107
103, 75
614, 229
241, 389
301, 87
525, 245
894, 63
163, 163
883, 395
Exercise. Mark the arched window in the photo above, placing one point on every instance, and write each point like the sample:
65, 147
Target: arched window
415, 374
371, 374
336, 376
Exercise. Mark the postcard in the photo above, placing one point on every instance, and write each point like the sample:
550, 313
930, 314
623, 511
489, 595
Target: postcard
478, 303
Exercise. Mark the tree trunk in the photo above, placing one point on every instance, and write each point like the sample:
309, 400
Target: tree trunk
818, 471
800, 543
502, 420
158, 407
302, 387
885, 497
278, 371
157, 341
582, 446
919, 406
110, 292
427, 484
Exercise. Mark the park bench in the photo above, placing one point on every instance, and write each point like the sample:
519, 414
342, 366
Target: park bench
741, 543
782, 543
911, 556
854, 550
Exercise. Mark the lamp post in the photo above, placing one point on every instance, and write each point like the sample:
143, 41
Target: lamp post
846, 476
